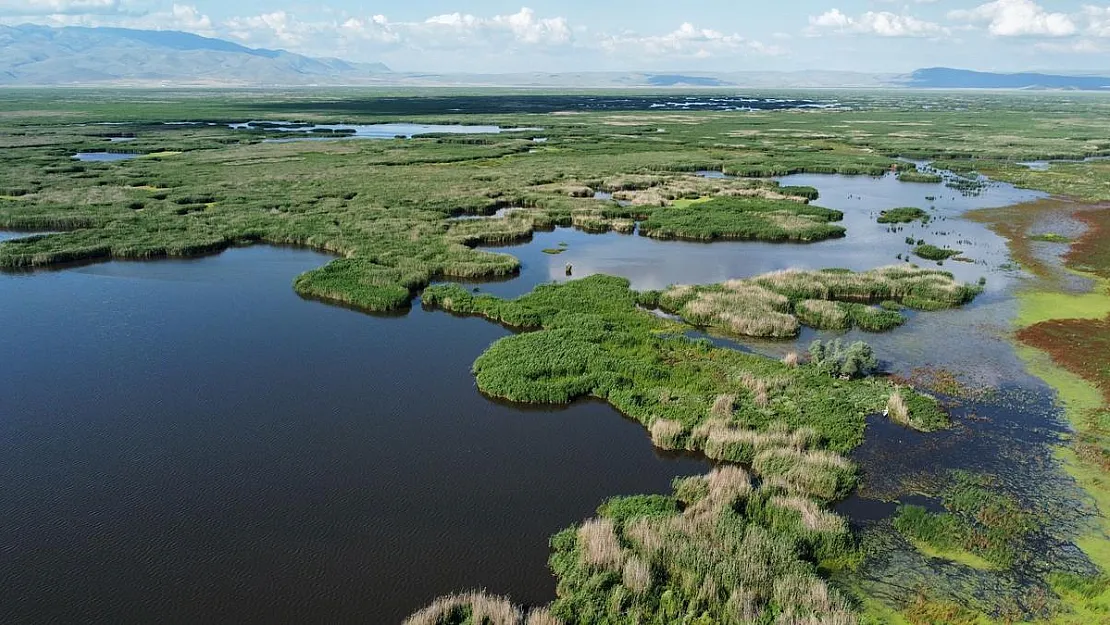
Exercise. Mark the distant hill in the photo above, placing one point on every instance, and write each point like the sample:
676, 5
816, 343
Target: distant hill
40, 55
947, 78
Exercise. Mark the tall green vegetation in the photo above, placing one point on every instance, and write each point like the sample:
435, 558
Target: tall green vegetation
855, 360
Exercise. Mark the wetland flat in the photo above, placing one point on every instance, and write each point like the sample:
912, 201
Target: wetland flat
190, 437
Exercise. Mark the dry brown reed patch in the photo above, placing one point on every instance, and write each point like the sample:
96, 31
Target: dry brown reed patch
541, 616
896, 408
600, 547
810, 600
665, 433
722, 406
813, 517
637, 575
483, 608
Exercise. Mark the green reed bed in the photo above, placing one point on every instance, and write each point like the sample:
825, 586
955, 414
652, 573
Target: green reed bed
593, 339
744, 219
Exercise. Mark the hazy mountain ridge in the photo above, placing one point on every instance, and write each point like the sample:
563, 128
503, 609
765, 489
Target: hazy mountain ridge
948, 78
40, 55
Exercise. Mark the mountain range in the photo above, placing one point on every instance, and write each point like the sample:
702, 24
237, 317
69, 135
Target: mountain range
41, 55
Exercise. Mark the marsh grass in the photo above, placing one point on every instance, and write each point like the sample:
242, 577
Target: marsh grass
913, 175
594, 339
730, 553
776, 305
744, 219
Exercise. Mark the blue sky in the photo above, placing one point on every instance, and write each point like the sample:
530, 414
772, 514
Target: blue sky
619, 35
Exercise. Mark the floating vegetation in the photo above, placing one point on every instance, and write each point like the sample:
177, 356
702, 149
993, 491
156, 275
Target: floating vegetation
982, 527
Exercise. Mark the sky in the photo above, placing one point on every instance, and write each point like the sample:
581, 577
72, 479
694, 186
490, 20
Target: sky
497, 36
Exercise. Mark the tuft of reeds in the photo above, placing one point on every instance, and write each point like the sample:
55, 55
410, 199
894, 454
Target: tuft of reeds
472, 607
666, 434
600, 547
896, 408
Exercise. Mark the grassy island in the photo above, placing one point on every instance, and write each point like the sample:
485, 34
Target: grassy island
776, 305
903, 215
744, 219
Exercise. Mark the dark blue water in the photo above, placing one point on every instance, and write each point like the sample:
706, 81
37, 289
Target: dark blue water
189, 441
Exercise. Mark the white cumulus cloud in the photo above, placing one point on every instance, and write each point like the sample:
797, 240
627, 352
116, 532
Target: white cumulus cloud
1098, 20
685, 41
1018, 18
880, 23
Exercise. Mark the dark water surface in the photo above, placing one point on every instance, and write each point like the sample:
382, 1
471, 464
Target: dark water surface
188, 441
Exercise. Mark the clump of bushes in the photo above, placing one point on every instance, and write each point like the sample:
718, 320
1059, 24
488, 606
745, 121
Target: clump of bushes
856, 360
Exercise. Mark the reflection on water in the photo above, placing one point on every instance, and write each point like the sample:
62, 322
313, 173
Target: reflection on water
371, 131
1045, 165
103, 157
188, 440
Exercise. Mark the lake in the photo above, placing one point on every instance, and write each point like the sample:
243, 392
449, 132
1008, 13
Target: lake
190, 438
